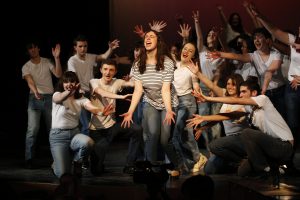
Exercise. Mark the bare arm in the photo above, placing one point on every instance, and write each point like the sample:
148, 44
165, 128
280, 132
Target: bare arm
56, 52
198, 31
112, 46
269, 73
198, 119
32, 86
137, 94
104, 93
232, 56
275, 31
166, 96
256, 22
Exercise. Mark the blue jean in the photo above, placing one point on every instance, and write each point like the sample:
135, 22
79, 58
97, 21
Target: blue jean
277, 98
158, 135
292, 102
85, 117
183, 137
37, 109
208, 108
68, 145
138, 113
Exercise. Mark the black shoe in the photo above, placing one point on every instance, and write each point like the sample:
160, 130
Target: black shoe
129, 170
29, 164
85, 164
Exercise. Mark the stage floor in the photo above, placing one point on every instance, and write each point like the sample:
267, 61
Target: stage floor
113, 184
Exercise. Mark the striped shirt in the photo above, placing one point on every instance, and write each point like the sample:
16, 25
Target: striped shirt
152, 81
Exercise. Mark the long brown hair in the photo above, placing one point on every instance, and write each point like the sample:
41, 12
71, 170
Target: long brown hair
162, 51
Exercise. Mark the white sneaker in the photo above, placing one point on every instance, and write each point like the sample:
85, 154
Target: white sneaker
200, 164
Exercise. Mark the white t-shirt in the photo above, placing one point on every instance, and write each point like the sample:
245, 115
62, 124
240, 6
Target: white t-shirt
277, 79
183, 80
115, 86
295, 60
209, 67
41, 74
66, 115
268, 119
83, 69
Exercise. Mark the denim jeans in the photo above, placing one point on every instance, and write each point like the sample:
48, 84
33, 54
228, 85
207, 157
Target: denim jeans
103, 138
85, 117
68, 145
183, 137
138, 113
208, 108
158, 135
277, 98
37, 109
292, 102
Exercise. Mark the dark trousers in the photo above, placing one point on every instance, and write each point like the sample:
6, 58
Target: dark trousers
103, 138
262, 148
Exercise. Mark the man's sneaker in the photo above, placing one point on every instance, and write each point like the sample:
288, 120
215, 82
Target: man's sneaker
200, 164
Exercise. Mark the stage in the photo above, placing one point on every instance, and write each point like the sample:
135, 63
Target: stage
20, 183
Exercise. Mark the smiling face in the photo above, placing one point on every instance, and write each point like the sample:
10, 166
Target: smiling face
108, 72
231, 87
150, 41
188, 52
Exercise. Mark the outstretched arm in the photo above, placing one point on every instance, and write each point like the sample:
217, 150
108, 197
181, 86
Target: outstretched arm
232, 56
275, 31
111, 46
228, 100
256, 22
194, 68
198, 31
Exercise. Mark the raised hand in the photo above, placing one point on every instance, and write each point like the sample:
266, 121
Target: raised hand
157, 25
184, 30
56, 51
139, 30
196, 15
193, 67
114, 44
